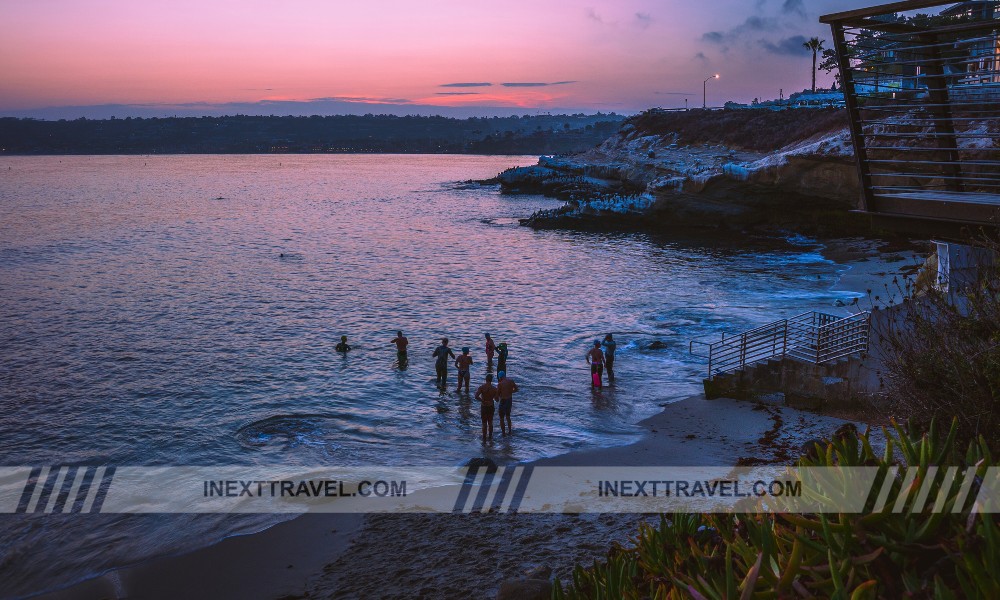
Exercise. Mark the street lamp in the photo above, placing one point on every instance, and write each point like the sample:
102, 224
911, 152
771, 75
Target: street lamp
704, 90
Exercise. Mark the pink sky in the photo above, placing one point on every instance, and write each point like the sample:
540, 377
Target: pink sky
620, 55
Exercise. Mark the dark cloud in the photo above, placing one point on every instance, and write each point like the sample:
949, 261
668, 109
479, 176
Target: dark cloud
535, 84
643, 20
700, 56
794, 7
457, 93
752, 24
462, 85
791, 46
593, 16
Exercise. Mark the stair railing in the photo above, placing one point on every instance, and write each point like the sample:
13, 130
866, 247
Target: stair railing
811, 336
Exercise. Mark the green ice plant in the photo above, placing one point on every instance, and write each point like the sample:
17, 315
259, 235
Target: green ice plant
915, 553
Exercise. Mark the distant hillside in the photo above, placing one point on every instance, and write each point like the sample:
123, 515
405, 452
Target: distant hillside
754, 130
541, 134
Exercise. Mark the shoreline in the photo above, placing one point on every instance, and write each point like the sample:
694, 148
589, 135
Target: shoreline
325, 554
322, 553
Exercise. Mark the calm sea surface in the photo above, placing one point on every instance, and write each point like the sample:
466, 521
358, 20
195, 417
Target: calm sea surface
183, 310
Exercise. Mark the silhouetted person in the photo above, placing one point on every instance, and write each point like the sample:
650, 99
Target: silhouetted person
502, 357
442, 353
609, 346
596, 360
487, 394
505, 390
401, 342
463, 363
343, 346
490, 349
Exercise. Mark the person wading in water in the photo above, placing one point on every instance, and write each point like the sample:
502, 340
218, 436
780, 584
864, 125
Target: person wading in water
596, 360
609, 346
442, 353
486, 394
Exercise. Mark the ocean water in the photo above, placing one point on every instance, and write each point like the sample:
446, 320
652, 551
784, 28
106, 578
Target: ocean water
183, 310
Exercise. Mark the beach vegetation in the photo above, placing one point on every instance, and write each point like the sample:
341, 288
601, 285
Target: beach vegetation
932, 541
940, 346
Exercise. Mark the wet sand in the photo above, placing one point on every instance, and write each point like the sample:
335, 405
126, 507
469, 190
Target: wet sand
461, 556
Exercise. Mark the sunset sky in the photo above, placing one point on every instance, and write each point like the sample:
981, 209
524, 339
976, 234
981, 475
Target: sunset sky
208, 56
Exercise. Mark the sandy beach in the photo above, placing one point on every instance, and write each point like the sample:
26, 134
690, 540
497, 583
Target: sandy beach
468, 556
461, 556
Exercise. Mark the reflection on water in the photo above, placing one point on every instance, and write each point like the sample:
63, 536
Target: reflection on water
184, 310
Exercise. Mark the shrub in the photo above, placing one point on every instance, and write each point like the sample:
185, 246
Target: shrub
916, 554
941, 352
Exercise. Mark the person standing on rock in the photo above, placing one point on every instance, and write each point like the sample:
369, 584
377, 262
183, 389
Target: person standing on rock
441, 353
609, 346
595, 358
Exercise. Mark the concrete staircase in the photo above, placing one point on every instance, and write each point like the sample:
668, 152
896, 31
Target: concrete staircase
803, 383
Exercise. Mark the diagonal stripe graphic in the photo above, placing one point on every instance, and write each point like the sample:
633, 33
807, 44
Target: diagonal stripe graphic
29, 489
904, 491
95, 484
467, 508
515, 479
484, 489
522, 485
925, 488
501, 474
68, 484
56, 487
944, 490
86, 480
963, 492
463, 493
102, 493
43, 478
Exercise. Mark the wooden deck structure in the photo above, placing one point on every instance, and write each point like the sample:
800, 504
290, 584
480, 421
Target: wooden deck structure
921, 81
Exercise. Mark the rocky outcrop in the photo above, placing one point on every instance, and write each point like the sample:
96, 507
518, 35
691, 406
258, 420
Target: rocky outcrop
654, 177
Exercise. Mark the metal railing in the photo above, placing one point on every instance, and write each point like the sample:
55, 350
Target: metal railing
812, 336
921, 80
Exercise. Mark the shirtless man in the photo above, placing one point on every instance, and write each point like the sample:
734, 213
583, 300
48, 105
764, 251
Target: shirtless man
441, 353
343, 346
505, 389
462, 363
486, 394
401, 342
596, 360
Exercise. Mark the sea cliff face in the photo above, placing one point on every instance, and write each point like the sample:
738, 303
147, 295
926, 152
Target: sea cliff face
657, 179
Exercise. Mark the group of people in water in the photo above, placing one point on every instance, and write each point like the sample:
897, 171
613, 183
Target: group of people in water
601, 357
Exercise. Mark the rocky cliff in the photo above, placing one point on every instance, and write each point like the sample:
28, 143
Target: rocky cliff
659, 177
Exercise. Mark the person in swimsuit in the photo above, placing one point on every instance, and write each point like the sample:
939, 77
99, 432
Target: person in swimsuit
343, 346
401, 342
502, 357
441, 353
596, 360
505, 389
462, 363
609, 346
490, 349
486, 394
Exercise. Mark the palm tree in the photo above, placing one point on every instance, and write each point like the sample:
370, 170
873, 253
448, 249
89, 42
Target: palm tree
814, 44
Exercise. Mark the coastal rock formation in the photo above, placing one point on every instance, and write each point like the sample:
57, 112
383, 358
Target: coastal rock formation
748, 169
635, 173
